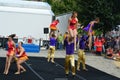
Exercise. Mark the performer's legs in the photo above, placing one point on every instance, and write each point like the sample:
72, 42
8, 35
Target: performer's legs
72, 61
71, 33
52, 54
83, 61
90, 41
49, 54
67, 65
19, 66
75, 36
79, 60
8, 64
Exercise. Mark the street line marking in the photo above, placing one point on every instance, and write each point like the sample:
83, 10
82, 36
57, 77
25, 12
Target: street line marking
34, 71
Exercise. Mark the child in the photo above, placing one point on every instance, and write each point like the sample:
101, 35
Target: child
69, 56
81, 53
51, 50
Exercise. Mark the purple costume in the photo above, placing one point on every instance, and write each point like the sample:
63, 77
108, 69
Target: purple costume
52, 41
87, 28
82, 42
69, 48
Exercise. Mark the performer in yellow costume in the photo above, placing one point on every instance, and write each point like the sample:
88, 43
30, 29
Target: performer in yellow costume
70, 56
51, 51
81, 53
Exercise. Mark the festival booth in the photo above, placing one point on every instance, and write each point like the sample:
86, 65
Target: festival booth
25, 18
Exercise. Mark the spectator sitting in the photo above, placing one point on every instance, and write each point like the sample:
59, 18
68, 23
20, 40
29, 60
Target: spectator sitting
110, 53
117, 55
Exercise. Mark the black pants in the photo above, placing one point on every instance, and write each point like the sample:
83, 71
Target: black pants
98, 53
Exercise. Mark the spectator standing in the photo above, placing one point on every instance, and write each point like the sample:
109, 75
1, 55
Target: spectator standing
60, 41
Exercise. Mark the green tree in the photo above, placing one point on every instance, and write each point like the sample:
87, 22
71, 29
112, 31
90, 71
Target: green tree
107, 10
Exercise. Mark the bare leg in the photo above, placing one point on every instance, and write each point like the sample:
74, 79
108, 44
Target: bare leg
90, 41
23, 69
71, 33
19, 62
75, 43
75, 36
8, 64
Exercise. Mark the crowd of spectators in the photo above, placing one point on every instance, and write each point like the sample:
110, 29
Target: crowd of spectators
108, 46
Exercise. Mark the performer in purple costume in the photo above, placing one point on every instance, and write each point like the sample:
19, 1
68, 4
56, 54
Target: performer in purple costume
51, 51
70, 56
81, 53
88, 28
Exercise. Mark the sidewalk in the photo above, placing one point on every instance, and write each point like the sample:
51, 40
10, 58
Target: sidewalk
97, 62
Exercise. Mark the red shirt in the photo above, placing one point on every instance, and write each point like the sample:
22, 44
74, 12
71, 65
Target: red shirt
98, 46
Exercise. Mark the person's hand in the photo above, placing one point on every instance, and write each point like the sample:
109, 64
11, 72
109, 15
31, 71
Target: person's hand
82, 27
17, 55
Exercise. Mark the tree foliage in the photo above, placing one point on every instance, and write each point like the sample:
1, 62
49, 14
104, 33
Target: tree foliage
107, 10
